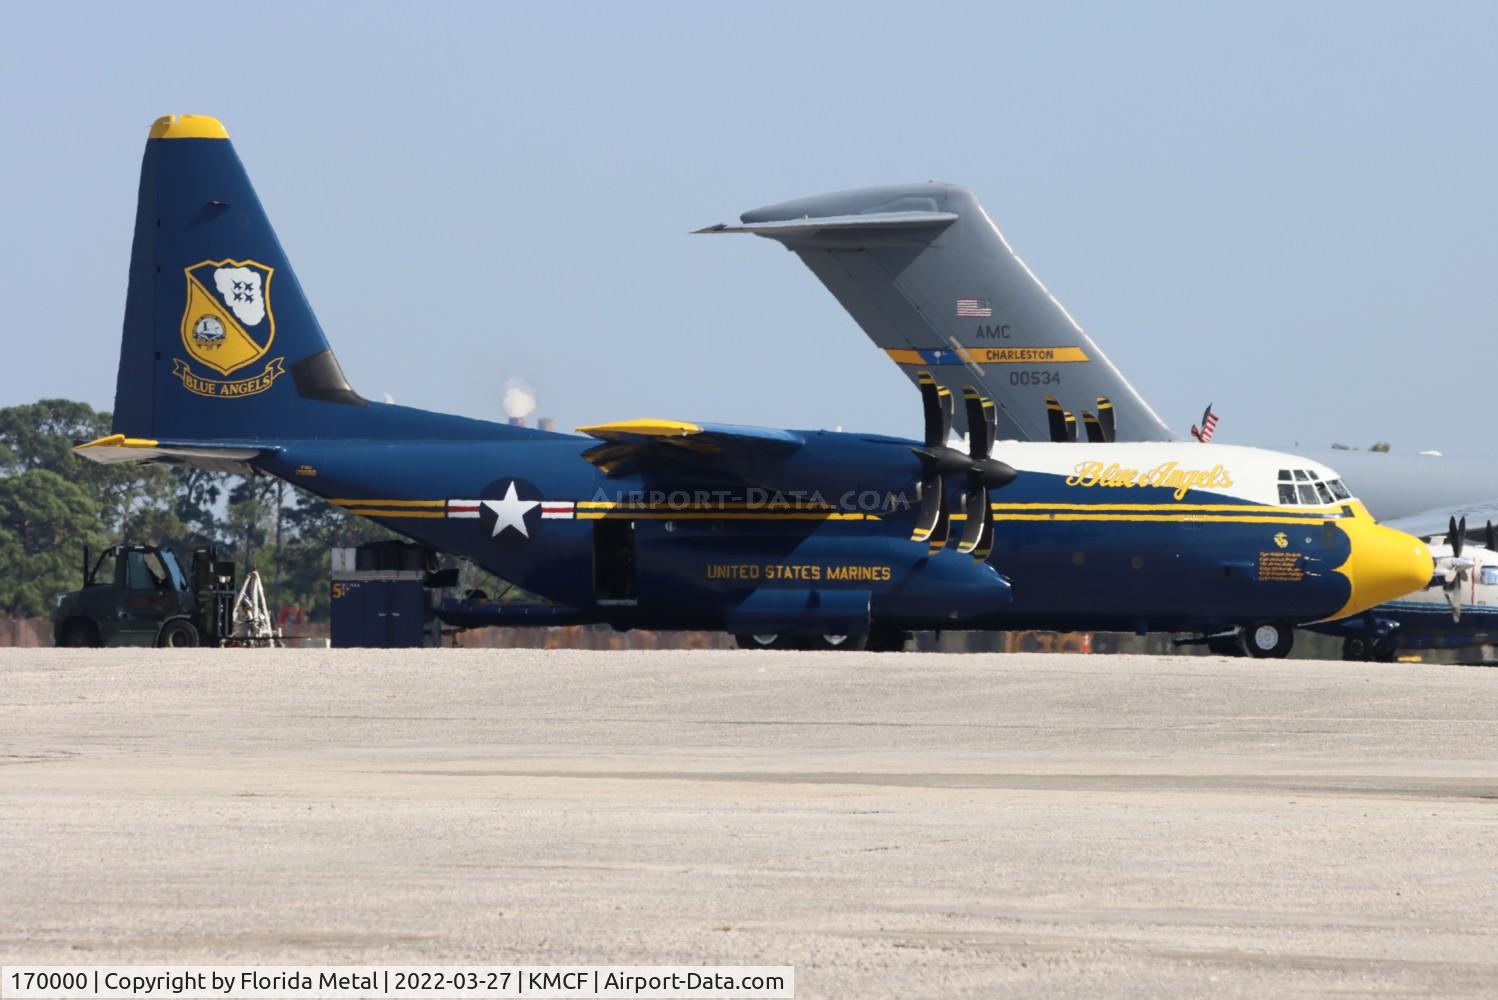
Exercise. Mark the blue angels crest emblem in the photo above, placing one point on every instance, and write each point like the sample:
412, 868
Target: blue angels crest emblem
228, 324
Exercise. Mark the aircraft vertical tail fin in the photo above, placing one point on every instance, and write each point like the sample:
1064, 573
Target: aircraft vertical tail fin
219, 339
220, 344
935, 285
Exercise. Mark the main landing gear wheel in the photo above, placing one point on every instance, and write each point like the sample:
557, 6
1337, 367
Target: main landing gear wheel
1268, 640
763, 640
846, 643
770, 640
1383, 650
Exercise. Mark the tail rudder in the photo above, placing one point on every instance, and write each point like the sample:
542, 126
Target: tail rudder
934, 284
219, 340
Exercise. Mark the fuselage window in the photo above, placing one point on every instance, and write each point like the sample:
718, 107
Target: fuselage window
1489, 576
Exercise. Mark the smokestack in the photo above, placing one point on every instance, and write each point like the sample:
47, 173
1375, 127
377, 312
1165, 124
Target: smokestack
517, 421
546, 424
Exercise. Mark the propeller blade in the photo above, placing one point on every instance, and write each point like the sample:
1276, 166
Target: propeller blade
985, 540
1107, 418
1071, 427
982, 423
1454, 598
936, 402
1491, 539
943, 530
930, 512
979, 520
1454, 536
1461, 536
1094, 428
1056, 417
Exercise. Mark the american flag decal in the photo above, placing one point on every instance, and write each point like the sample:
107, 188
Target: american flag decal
557, 509
462, 508
976, 308
1209, 424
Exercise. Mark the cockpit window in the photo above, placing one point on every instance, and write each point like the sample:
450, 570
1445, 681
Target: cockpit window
1298, 486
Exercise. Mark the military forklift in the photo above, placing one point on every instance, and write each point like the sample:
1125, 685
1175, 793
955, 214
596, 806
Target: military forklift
137, 595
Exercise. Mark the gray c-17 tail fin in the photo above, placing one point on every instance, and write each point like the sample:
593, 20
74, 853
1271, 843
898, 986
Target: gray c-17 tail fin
935, 285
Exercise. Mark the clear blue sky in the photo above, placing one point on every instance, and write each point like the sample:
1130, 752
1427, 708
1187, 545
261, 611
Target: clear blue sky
1286, 209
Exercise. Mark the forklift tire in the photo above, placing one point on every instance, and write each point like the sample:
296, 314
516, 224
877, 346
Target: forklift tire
81, 633
178, 634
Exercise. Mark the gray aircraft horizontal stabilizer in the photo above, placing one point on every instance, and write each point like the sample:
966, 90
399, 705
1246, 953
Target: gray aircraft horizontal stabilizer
935, 285
873, 220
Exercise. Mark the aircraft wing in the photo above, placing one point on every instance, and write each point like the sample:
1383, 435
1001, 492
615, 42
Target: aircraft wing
631, 445
215, 456
934, 284
1437, 522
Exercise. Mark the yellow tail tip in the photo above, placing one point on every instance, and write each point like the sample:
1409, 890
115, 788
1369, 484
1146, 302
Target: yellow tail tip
188, 127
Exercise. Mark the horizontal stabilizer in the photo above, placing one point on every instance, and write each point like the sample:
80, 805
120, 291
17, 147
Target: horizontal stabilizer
864, 223
216, 456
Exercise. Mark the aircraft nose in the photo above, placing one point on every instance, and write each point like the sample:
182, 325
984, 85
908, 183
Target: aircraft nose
1384, 564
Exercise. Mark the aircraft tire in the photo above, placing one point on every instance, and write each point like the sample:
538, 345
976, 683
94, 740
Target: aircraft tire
833, 643
1268, 640
764, 640
1383, 650
178, 634
1355, 647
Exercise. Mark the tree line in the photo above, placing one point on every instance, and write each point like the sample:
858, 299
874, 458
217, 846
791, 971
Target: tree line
53, 504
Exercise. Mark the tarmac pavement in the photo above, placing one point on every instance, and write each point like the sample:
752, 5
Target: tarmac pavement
891, 825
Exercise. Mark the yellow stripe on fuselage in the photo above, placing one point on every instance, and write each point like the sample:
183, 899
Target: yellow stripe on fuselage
344, 502
1324, 511
371, 512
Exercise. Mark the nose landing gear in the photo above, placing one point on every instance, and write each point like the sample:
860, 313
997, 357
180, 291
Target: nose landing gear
1267, 640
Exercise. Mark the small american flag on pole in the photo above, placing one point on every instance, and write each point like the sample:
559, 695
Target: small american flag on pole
974, 307
1209, 424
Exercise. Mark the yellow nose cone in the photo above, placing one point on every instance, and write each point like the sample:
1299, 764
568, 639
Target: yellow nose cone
1384, 564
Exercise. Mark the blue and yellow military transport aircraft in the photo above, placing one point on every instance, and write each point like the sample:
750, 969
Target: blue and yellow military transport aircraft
770, 534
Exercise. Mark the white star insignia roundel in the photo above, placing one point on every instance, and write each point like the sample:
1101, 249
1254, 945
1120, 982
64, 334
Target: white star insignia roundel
509, 512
